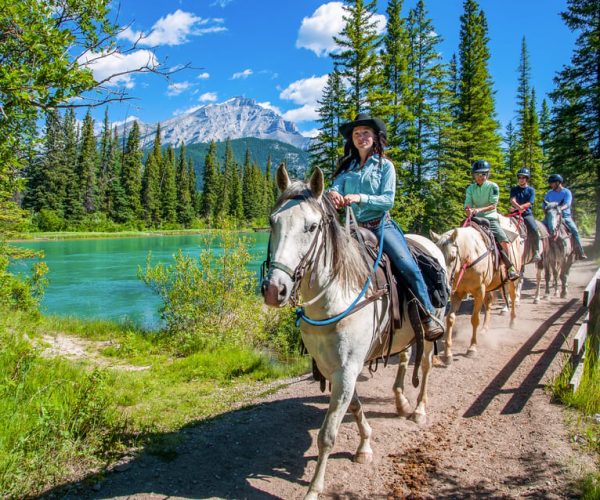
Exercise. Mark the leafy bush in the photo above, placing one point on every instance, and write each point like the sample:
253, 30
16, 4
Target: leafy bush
21, 293
49, 220
208, 300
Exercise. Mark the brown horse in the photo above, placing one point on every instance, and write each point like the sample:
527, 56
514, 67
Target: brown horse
560, 255
470, 263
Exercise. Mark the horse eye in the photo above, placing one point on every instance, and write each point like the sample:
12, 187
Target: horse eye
312, 227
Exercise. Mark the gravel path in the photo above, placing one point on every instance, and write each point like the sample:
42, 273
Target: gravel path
492, 429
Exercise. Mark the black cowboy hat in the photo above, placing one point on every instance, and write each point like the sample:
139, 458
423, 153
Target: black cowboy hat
366, 120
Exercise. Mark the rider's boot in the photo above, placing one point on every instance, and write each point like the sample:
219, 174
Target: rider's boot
511, 272
432, 327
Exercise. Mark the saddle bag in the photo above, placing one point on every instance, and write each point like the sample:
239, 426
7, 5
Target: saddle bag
434, 276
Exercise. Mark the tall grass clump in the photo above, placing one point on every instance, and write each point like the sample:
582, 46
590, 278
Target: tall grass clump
211, 300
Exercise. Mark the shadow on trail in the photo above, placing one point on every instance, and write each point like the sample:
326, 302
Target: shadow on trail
533, 380
219, 457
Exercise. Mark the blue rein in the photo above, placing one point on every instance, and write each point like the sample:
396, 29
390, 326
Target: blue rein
301, 315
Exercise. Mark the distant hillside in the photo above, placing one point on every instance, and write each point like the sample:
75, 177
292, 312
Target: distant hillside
296, 159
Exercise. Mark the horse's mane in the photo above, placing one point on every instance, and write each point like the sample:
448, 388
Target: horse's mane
347, 264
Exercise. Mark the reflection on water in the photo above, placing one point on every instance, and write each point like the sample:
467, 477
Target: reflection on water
98, 278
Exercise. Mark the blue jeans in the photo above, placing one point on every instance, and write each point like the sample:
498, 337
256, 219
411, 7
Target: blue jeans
570, 223
404, 264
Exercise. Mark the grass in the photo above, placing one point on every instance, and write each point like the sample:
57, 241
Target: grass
586, 399
62, 419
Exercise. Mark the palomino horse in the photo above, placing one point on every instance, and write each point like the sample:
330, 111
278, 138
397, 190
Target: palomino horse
560, 254
312, 253
470, 263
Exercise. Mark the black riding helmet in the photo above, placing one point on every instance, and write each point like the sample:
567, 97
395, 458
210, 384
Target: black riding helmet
555, 178
524, 172
480, 167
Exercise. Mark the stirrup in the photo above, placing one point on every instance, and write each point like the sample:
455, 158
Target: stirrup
433, 328
512, 274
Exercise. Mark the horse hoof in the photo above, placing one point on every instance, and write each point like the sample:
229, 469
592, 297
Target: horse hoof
563, 295
419, 418
436, 361
472, 353
404, 409
448, 359
536, 301
311, 495
363, 457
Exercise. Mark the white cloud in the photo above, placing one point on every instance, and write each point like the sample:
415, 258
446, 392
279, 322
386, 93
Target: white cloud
105, 65
306, 113
177, 88
268, 105
242, 74
313, 132
203, 76
306, 91
174, 29
317, 31
221, 3
208, 97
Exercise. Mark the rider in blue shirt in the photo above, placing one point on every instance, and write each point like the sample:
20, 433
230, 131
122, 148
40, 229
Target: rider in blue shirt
366, 180
564, 198
522, 198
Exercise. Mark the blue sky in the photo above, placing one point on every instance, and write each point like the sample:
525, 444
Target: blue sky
276, 51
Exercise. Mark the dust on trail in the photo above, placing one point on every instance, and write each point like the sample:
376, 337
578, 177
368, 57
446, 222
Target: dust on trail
492, 428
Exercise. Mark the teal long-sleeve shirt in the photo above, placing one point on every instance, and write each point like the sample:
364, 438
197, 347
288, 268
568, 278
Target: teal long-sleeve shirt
375, 183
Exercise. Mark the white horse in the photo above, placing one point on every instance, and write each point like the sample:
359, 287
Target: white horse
560, 255
309, 247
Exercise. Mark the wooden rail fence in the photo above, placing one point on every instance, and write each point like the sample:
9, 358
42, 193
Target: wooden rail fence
591, 301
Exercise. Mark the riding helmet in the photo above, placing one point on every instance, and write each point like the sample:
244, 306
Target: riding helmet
555, 178
480, 167
524, 172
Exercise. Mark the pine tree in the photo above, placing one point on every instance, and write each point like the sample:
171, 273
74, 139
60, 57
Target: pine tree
104, 163
357, 60
73, 206
397, 81
210, 191
268, 199
168, 191
151, 191
87, 167
236, 209
46, 181
114, 201
194, 194
223, 205
328, 145
185, 209
247, 188
476, 117
577, 106
131, 176
545, 130
523, 107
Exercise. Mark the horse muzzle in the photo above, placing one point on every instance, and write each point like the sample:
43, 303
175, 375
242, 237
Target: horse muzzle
275, 293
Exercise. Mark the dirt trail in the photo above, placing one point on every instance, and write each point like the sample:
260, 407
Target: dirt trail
492, 430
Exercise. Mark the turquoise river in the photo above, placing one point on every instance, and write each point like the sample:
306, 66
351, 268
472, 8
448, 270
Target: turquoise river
97, 278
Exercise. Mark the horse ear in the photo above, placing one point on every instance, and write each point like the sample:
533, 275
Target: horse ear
283, 180
454, 235
317, 182
433, 235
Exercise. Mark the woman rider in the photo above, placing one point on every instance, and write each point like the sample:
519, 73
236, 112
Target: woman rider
522, 198
481, 200
366, 180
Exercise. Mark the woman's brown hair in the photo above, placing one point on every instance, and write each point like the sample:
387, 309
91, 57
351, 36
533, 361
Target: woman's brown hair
351, 153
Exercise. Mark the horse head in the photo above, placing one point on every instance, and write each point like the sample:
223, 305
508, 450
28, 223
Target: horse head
553, 218
297, 224
449, 246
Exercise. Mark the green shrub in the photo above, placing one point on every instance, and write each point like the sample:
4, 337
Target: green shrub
21, 293
49, 220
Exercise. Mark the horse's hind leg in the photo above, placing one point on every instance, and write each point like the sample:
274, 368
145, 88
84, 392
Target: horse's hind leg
564, 277
364, 453
419, 416
538, 283
402, 404
477, 302
343, 383
455, 301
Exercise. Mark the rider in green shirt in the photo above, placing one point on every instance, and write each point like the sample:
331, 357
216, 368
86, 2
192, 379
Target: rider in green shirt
481, 200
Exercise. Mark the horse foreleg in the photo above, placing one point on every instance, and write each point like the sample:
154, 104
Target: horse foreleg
487, 309
547, 278
419, 416
364, 453
538, 282
513, 306
477, 303
402, 404
455, 301
343, 383
519, 287
564, 277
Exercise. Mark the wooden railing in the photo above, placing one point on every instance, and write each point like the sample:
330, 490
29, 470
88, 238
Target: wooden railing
591, 301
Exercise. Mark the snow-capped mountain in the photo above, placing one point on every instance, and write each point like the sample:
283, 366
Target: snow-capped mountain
234, 119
